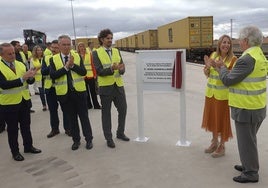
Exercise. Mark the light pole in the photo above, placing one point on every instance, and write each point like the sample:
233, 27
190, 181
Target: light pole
231, 29
86, 30
73, 22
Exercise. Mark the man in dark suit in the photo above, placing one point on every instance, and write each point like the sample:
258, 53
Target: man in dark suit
247, 99
22, 58
51, 95
110, 68
68, 71
15, 100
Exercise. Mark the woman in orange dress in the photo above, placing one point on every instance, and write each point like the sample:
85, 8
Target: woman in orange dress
216, 115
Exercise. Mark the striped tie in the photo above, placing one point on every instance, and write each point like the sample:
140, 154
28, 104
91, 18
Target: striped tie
12, 67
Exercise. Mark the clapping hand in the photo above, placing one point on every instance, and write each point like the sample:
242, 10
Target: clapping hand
70, 63
121, 66
30, 73
208, 63
219, 63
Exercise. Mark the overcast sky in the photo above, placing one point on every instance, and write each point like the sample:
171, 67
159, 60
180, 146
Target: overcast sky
124, 17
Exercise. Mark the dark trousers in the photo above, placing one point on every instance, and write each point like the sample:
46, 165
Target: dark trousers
119, 100
2, 123
13, 119
247, 146
91, 93
42, 95
53, 105
75, 106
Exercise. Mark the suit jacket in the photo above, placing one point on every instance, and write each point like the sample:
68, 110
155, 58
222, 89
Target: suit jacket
243, 67
8, 84
106, 90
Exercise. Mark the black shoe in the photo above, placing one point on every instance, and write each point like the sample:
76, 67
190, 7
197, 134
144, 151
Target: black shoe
239, 168
2, 129
36, 93
32, 111
53, 133
44, 108
110, 144
241, 179
122, 137
75, 145
68, 132
18, 157
89, 145
32, 150
97, 107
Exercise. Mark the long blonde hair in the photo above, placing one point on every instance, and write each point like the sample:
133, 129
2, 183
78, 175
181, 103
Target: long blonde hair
230, 52
34, 52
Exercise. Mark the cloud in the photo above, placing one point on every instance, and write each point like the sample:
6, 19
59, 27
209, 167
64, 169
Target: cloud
124, 17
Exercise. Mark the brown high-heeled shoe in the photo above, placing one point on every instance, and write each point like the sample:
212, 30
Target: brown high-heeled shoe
213, 146
219, 152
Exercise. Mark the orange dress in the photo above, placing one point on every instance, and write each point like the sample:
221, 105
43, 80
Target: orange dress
216, 118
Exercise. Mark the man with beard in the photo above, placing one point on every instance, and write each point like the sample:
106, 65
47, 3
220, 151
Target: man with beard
110, 68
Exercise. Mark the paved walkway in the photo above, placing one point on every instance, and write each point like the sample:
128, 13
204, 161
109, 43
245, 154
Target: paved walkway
158, 163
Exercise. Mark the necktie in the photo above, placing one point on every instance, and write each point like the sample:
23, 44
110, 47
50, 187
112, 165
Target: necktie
65, 59
109, 53
12, 67
69, 76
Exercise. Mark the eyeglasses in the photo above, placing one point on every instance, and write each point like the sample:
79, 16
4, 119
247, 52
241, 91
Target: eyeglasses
65, 44
11, 53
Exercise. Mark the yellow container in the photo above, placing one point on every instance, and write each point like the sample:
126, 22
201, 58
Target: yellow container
190, 32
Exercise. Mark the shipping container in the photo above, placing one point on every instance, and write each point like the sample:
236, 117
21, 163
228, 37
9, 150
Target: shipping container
118, 44
125, 44
148, 39
87, 40
190, 32
95, 42
132, 43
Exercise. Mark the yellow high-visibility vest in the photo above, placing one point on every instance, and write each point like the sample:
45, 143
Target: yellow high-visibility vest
106, 63
37, 64
88, 65
250, 93
215, 87
61, 85
14, 95
23, 57
48, 81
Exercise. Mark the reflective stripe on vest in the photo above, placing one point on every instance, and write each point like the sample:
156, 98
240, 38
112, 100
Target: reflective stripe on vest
250, 93
65, 82
247, 92
14, 90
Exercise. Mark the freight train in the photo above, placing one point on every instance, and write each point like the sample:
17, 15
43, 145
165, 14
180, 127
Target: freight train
195, 34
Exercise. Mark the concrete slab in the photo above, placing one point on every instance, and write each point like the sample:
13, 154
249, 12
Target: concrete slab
158, 163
